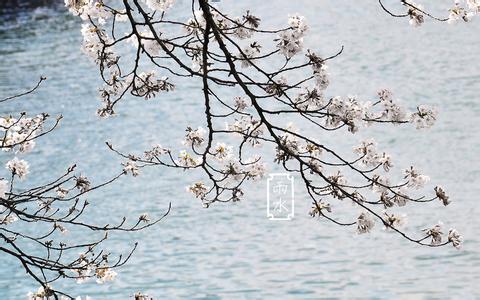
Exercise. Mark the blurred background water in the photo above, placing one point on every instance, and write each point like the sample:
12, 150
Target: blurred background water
233, 251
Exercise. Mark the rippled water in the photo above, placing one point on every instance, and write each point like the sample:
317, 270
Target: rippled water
232, 251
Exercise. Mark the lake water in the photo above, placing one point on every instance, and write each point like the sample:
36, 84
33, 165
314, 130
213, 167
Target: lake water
233, 251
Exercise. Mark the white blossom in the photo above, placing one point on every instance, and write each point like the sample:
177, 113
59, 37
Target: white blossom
435, 233
241, 31
131, 167
459, 12
141, 296
194, 137
425, 117
222, 152
247, 127
88, 9
240, 103
415, 179
40, 294
394, 220
290, 42
455, 238
146, 84
442, 196
392, 111
416, 16
380, 184
92, 40
186, 160
198, 189
61, 192
364, 223
310, 99
400, 198
18, 167
155, 152
348, 111
105, 274
370, 157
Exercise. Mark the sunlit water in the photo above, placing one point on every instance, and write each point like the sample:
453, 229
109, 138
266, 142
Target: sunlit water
232, 251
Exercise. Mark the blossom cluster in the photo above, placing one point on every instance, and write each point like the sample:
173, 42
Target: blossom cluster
462, 10
224, 51
290, 42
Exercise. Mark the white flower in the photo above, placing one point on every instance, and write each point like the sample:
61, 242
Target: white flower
155, 152
455, 238
247, 127
186, 160
298, 23
416, 16
370, 157
147, 84
41, 294
241, 31
474, 5
380, 184
62, 229
131, 167
400, 198
92, 40
149, 43
140, 296
198, 189
442, 196
321, 77
364, 223
105, 274
392, 111
310, 99
240, 103
18, 167
233, 171
290, 42
436, 233
415, 179
313, 150
347, 111
393, 220
61, 192
425, 117
222, 152
88, 9
194, 137
458, 12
